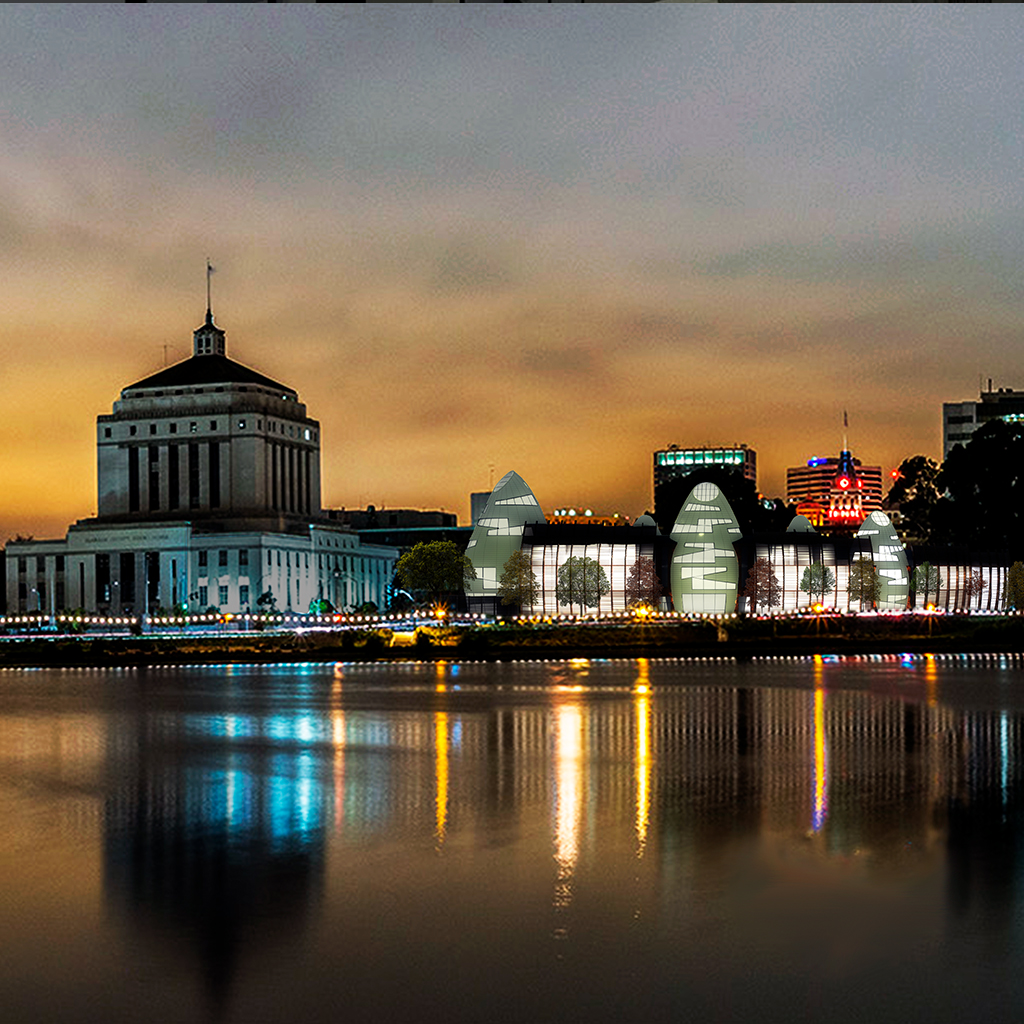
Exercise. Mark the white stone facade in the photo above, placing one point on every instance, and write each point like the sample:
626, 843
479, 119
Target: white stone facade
208, 478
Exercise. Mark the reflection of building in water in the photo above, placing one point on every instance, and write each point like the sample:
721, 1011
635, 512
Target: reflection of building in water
218, 822
213, 827
984, 839
862, 775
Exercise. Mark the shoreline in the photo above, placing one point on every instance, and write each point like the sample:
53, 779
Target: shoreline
740, 639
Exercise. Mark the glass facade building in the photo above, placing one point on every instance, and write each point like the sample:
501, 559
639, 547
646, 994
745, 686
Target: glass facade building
673, 462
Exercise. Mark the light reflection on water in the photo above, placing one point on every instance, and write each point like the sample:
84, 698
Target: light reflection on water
811, 837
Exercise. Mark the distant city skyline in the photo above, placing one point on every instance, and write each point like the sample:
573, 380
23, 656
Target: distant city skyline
477, 238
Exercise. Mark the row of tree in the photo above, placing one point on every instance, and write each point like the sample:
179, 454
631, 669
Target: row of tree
762, 587
439, 571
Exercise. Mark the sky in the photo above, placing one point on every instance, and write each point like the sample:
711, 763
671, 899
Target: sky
478, 238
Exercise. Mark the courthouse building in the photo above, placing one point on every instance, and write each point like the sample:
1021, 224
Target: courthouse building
208, 497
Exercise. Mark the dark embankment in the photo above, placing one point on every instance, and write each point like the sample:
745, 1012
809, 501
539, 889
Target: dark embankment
741, 638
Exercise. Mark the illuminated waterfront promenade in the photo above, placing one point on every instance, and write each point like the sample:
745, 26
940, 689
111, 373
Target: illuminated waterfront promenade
84, 640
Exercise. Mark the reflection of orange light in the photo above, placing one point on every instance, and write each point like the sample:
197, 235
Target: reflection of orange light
568, 795
931, 679
643, 746
441, 773
820, 759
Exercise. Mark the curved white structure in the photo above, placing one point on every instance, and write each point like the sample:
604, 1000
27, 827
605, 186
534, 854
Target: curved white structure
890, 559
705, 570
499, 532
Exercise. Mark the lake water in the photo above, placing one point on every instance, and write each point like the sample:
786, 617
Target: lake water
812, 839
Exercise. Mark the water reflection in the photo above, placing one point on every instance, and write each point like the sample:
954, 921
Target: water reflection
820, 751
213, 834
568, 793
657, 825
643, 751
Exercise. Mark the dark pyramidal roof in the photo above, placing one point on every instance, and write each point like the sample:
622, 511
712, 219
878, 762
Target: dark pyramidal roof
207, 369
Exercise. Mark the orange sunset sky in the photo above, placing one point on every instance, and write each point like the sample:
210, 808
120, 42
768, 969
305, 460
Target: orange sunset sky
548, 238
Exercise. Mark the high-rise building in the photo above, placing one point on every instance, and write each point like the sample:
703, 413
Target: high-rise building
674, 462
961, 419
477, 504
835, 493
208, 497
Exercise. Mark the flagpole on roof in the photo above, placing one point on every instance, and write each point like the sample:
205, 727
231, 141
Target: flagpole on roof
209, 271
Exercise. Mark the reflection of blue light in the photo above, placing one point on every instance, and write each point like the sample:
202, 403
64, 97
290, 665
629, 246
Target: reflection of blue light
454, 670
456, 737
239, 803
1004, 753
221, 725
294, 799
301, 729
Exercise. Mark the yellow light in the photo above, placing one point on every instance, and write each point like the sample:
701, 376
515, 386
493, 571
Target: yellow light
820, 761
643, 766
440, 774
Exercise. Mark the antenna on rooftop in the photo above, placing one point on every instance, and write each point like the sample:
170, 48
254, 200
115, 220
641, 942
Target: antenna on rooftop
846, 426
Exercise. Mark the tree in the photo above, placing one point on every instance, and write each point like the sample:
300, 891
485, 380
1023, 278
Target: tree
985, 483
580, 581
817, 581
1015, 586
762, 586
267, 603
925, 581
974, 584
435, 568
643, 586
518, 584
865, 585
918, 498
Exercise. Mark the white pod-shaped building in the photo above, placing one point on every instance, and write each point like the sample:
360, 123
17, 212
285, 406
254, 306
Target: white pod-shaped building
498, 533
890, 558
705, 571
